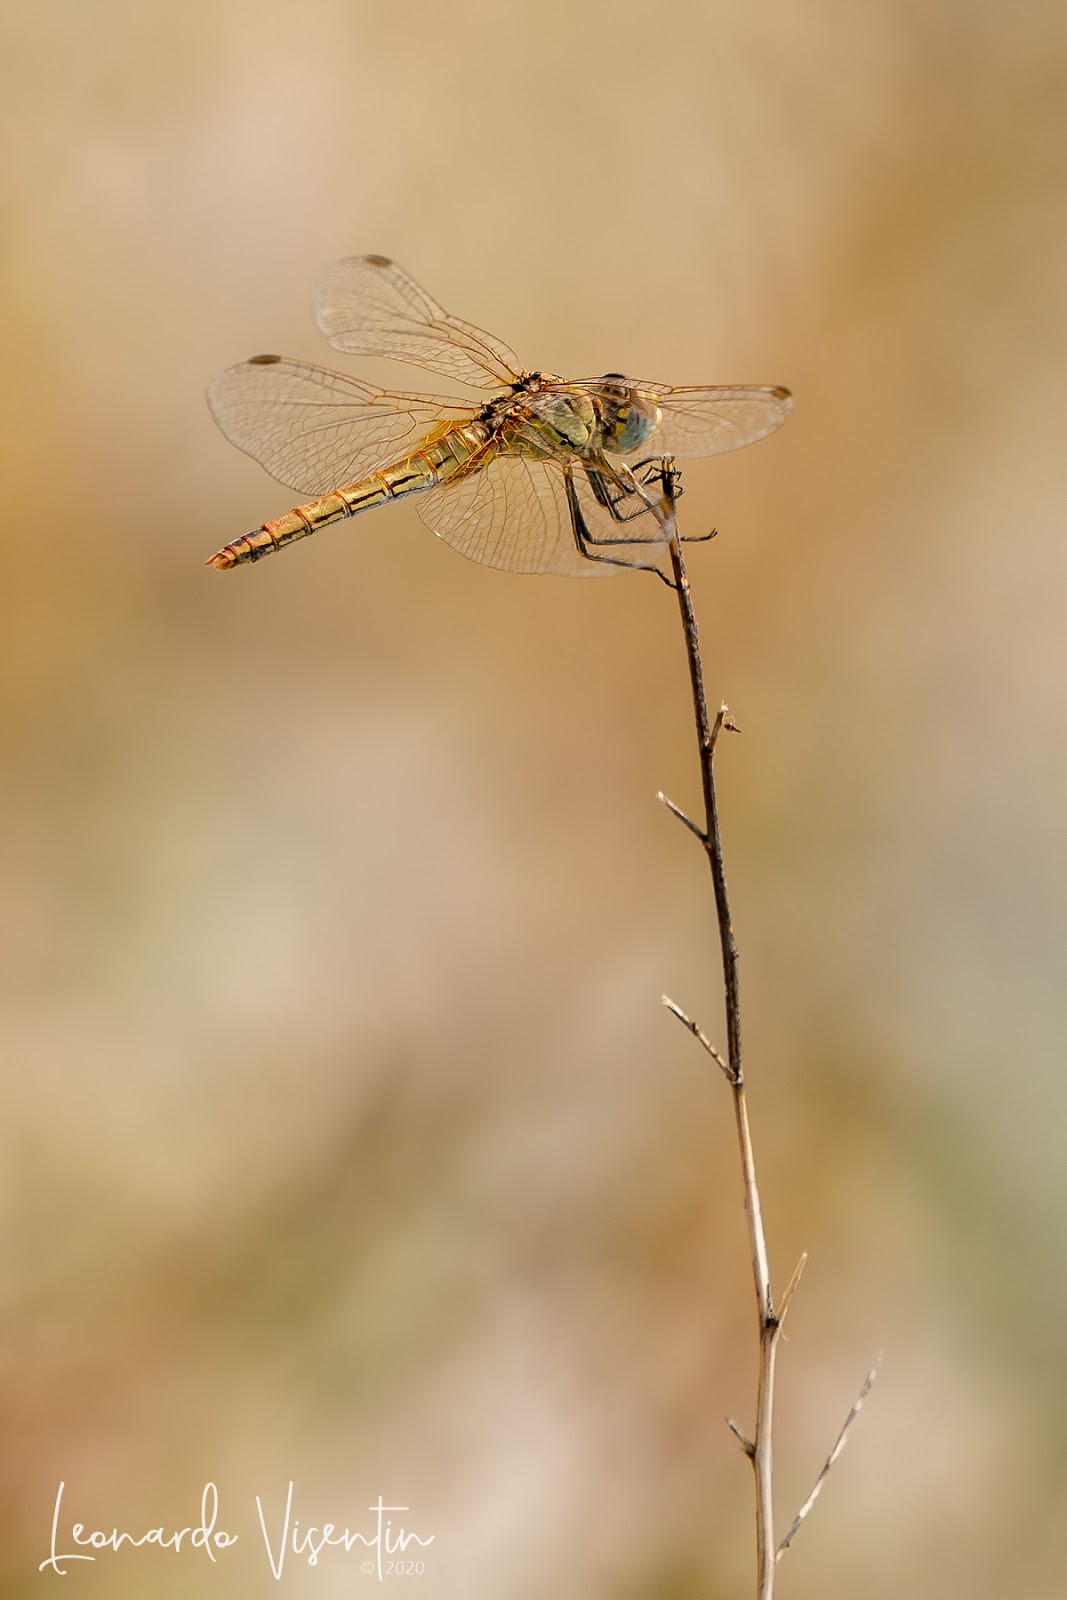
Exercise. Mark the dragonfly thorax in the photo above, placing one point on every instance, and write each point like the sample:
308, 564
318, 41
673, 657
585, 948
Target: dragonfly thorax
570, 416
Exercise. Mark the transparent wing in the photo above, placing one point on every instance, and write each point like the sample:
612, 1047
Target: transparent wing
707, 422
510, 514
514, 514
369, 306
313, 429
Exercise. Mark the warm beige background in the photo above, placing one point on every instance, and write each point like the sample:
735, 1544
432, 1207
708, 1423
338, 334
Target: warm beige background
345, 1138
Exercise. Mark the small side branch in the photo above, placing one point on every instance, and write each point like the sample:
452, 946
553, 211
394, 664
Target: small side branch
676, 811
839, 1445
698, 1034
791, 1288
742, 1438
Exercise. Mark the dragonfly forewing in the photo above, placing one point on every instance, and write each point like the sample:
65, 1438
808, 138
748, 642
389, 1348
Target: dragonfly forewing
713, 420
369, 306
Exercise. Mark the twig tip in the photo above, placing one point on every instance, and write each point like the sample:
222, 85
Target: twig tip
676, 811
791, 1286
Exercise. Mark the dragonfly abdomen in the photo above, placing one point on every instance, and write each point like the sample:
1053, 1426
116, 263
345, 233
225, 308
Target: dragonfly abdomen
422, 470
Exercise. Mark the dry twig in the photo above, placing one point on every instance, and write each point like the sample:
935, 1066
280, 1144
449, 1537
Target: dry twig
770, 1318
839, 1445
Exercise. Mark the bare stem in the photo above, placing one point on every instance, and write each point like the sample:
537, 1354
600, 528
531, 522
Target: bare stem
769, 1320
759, 1449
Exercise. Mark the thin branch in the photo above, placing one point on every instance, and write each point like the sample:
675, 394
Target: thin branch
791, 1288
769, 1323
842, 1439
770, 1320
698, 1034
676, 811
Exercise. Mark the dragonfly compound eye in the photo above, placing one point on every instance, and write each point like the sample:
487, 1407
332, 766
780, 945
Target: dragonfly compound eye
628, 415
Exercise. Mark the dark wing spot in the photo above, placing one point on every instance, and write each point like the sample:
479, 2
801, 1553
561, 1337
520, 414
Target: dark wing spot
783, 394
263, 361
377, 261
617, 377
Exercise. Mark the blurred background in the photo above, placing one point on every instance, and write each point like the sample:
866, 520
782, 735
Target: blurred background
346, 1140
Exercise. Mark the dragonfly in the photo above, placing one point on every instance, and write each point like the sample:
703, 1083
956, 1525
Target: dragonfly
540, 474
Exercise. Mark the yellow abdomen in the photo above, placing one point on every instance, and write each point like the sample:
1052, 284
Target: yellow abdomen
437, 460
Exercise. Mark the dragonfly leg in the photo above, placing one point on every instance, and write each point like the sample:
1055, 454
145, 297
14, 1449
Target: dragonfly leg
653, 473
653, 466
656, 472
584, 539
662, 576
613, 491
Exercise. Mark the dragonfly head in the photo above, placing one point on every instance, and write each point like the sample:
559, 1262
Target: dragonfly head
627, 414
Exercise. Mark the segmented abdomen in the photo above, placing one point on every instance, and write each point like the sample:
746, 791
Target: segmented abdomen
433, 464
